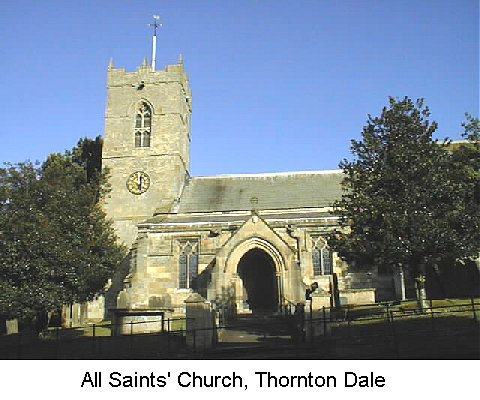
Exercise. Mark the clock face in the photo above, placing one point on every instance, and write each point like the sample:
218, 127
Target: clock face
138, 182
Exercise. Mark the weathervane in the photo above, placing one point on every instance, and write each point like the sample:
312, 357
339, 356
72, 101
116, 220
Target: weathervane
155, 25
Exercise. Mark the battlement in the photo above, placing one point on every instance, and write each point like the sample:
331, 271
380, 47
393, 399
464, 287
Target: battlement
145, 75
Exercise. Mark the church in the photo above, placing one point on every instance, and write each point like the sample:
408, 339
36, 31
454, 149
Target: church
252, 242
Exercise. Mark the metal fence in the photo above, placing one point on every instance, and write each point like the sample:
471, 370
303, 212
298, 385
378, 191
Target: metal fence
97, 341
384, 330
389, 330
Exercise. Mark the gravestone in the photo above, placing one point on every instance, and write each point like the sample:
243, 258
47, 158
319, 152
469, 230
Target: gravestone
12, 326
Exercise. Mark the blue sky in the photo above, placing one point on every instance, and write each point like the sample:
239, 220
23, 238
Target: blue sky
278, 85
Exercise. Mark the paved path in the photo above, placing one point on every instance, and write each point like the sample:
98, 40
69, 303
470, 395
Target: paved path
255, 329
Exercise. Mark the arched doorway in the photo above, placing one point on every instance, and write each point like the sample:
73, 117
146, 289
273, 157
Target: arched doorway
257, 270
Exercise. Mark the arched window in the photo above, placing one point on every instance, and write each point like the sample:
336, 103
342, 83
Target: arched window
322, 258
143, 125
188, 264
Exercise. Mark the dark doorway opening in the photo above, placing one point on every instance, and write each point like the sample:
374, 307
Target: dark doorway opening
257, 271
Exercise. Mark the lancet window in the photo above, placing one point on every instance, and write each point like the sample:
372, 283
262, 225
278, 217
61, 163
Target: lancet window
322, 258
143, 125
188, 263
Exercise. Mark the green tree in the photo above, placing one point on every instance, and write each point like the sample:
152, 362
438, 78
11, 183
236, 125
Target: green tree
56, 247
403, 203
465, 218
465, 176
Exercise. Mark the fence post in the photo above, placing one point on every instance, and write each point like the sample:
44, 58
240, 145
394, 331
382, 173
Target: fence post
387, 312
168, 325
57, 342
100, 340
432, 316
131, 336
388, 337
194, 341
394, 334
93, 338
474, 311
19, 344
348, 324
324, 314
168, 342
311, 321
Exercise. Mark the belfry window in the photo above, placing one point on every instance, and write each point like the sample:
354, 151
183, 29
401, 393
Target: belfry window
143, 125
188, 264
322, 258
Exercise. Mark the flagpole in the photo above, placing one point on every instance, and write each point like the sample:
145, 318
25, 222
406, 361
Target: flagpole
155, 25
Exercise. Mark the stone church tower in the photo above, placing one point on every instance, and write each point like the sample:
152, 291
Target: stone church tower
147, 143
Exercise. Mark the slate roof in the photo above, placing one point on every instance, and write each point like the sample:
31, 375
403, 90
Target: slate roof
273, 191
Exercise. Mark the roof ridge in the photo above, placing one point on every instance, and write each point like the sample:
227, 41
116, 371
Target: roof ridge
270, 174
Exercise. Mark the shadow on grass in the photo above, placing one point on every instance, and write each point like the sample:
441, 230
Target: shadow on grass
151, 346
409, 336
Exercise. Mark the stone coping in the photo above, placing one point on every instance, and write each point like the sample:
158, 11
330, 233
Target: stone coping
140, 311
357, 290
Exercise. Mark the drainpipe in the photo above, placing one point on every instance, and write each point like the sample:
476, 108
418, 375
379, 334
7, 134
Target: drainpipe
291, 232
